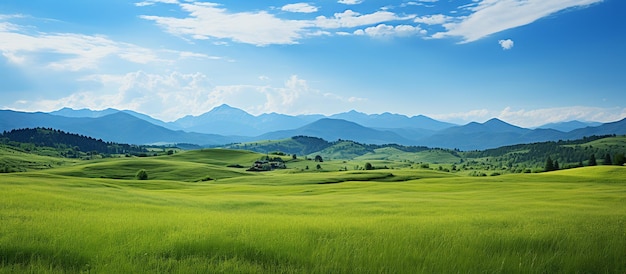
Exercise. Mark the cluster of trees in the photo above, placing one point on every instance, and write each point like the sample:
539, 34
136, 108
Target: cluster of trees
567, 154
619, 159
303, 145
70, 144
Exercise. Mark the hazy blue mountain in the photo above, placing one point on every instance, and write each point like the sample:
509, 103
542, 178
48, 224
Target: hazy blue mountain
411, 133
227, 120
88, 113
233, 125
83, 113
569, 126
223, 120
274, 122
477, 136
10, 119
118, 127
618, 127
496, 133
335, 129
388, 120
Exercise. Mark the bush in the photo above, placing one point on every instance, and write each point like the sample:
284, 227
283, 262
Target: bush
142, 174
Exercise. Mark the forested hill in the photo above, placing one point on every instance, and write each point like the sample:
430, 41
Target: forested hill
607, 149
73, 143
303, 145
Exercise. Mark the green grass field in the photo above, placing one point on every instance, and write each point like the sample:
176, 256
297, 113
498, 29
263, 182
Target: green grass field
93, 216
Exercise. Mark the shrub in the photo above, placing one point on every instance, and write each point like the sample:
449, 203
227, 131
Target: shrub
142, 174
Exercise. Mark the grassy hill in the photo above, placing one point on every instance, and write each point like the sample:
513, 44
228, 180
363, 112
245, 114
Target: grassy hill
13, 159
200, 211
406, 220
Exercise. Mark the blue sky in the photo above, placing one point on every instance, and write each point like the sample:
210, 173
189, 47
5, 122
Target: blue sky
528, 62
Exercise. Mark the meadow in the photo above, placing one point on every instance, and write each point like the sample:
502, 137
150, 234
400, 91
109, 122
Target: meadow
197, 215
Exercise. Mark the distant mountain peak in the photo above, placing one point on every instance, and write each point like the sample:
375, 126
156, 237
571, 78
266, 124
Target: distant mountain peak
495, 121
226, 110
224, 106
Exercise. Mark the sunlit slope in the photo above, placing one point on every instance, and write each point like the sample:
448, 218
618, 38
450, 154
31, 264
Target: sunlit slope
618, 141
14, 160
199, 165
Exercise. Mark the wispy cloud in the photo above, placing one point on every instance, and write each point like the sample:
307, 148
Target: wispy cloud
492, 16
72, 51
210, 20
350, 2
351, 19
299, 7
152, 2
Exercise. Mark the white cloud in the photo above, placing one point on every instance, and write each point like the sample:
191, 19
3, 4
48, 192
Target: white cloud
436, 19
351, 19
537, 117
299, 7
350, 2
492, 16
174, 95
383, 30
75, 52
506, 44
209, 20
212, 21
152, 2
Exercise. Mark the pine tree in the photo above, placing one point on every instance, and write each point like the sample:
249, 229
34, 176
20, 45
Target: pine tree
549, 164
592, 160
556, 165
607, 160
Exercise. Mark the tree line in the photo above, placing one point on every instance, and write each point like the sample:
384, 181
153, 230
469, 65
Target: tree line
69, 144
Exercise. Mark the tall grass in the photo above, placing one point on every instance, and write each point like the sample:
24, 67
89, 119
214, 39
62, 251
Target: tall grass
562, 222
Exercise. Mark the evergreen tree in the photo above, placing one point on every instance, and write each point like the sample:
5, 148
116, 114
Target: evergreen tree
549, 164
592, 160
607, 160
556, 165
619, 159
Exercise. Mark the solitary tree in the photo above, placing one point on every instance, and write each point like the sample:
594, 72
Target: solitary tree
142, 174
318, 158
592, 160
368, 166
549, 164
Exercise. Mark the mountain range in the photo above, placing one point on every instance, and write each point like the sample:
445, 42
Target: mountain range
224, 125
